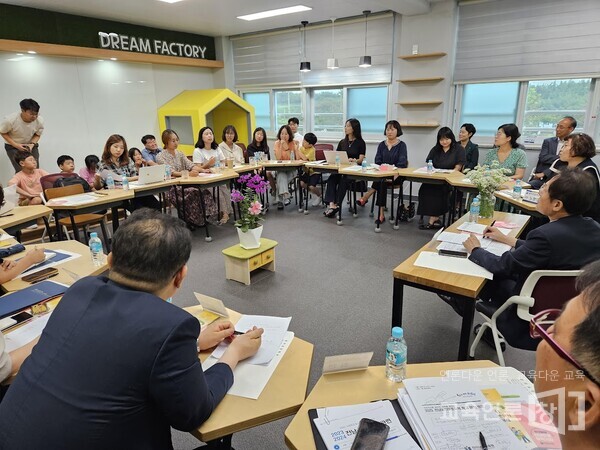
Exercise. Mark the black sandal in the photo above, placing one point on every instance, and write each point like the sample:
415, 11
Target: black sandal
332, 212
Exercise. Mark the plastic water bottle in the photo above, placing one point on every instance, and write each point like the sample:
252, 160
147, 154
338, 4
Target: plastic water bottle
474, 211
96, 249
363, 166
217, 166
337, 161
292, 156
110, 181
395, 356
516, 193
430, 166
167, 172
125, 183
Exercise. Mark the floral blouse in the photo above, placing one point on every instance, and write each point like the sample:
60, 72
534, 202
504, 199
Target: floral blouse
128, 170
516, 159
178, 162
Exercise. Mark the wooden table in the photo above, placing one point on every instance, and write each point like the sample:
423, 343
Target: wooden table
20, 217
465, 287
245, 168
68, 271
361, 386
224, 176
239, 262
521, 205
282, 397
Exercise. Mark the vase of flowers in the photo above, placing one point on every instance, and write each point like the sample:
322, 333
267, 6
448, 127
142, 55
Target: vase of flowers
249, 225
488, 180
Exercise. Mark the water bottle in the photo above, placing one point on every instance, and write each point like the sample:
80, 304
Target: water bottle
363, 166
474, 211
516, 193
125, 183
110, 181
217, 166
96, 249
337, 161
430, 166
167, 172
395, 356
292, 156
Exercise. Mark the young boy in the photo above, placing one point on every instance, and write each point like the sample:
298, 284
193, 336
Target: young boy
27, 180
307, 153
66, 164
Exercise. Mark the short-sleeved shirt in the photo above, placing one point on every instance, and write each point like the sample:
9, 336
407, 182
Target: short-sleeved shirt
516, 159
87, 175
354, 149
203, 155
310, 154
150, 156
236, 153
127, 170
20, 131
28, 183
447, 160
178, 162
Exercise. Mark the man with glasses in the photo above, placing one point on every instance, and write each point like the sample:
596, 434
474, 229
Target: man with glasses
568, 242
150, 150
568, 358
22, 131
550, 150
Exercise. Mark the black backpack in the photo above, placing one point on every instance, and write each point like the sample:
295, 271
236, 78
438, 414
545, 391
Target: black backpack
69, 181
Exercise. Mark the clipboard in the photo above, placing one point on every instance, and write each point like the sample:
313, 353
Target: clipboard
320, 444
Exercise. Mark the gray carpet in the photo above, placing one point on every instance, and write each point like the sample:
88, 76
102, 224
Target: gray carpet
336, 283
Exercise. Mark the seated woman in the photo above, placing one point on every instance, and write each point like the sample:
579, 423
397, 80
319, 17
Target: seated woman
337, 185
228, 146
578, 151
88, 173
138, 160
194, 215
307, 152
507, 152
467, 131
116, 162
259, 144
393, 152
206, 154
434, 198
284, 146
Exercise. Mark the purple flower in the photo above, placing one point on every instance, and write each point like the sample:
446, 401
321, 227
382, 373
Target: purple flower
243, 179
236, 196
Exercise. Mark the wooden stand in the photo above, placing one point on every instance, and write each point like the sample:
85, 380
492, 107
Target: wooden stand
240, 262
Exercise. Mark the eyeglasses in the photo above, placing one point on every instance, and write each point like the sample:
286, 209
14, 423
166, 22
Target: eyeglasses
538, 329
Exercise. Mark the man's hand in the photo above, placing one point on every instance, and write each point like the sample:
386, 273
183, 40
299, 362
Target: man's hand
245, 345
214, 333
471, 243
24, 147
538, 176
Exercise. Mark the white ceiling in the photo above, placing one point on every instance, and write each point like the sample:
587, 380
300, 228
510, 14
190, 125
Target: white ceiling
218, 18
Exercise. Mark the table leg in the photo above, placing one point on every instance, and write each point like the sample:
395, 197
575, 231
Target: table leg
75, 229
223, 443
203, 208
452, 206
467, 325
59, 230
397, 302
115, 218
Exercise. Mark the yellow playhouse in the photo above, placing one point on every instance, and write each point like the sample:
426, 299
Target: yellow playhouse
189, 111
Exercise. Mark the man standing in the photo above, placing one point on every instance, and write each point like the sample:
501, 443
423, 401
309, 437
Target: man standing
22, 131
293, 123
550, 150
117, 364
151, 149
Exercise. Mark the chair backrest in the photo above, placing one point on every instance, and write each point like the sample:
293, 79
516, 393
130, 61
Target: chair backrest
244, 151
552, 292
63, 191
47, 181
320, 148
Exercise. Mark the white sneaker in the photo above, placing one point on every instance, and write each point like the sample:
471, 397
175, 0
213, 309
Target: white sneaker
316, 201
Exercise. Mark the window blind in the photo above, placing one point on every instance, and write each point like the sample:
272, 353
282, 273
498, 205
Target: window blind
522, 40
270, 59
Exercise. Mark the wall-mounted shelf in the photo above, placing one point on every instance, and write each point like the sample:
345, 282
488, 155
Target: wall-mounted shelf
419, 125
421, 80
423, 55
423, 103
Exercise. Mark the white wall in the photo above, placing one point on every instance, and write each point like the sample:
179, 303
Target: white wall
83, 101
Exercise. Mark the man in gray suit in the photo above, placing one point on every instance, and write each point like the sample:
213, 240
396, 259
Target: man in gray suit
550, 150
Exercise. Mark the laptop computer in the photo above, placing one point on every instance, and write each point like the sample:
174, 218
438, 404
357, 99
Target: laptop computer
330, 157
10, 199
150, 174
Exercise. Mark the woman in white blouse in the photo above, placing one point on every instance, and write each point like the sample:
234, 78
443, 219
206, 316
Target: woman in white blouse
229, 147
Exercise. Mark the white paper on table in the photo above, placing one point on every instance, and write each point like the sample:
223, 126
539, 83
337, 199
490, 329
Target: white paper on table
353, 169
412, 416
478, 228
50, 263
463, 266
5, 237
26, 333
72, 200
454, 238
275, 329
491, 377
495, 247
251, 379
454, 413
449, 246
211, 304
338, 425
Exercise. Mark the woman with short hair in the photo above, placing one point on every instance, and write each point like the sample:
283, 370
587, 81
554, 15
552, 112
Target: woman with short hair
507, 152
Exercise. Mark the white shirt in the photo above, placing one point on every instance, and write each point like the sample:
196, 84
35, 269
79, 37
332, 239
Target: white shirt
237, 154
299, 138
20, 131
560, 145
203, 155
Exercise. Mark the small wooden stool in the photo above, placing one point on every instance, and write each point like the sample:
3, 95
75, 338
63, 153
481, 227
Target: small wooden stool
240, 262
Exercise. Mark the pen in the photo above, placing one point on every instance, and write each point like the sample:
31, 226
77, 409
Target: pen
6, 215
482, 441
491, 225
100, 193
237, 333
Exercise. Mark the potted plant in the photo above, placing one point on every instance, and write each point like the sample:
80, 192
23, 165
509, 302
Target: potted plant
488, 180
249, 225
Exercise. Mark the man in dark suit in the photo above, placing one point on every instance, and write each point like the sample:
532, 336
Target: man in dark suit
550, 150
568, 242
117, 365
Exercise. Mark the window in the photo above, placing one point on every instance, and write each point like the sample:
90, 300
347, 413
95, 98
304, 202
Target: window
489, 105
548, 101
369, 106
262, 108
288, 104
328, 111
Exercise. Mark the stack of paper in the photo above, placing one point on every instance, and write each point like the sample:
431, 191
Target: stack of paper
454, 242
451, 412
338, 425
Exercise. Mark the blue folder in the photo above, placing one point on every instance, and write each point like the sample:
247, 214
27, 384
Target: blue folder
23, 299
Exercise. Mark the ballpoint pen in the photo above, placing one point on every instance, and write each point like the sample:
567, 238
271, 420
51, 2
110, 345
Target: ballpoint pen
482, 441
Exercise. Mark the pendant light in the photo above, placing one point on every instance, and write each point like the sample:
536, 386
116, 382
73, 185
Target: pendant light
365, 61
304, 64
332, 63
